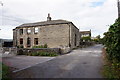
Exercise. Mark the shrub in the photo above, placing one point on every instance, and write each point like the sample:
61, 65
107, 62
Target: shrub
112, 41
43, 54
20, 52
88, 38
41, 46
21, 46
45, 46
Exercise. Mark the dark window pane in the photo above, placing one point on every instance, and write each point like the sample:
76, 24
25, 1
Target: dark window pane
21, 40
21, 31
36, 41
28, 42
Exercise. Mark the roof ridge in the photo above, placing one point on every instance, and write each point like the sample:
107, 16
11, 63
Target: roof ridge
59, 21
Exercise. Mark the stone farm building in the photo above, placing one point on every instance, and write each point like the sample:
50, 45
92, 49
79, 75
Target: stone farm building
85, 33
54, 33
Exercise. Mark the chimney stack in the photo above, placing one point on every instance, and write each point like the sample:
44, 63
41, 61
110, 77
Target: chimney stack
48, 18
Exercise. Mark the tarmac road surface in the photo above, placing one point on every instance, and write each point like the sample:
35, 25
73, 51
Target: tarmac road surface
80, 63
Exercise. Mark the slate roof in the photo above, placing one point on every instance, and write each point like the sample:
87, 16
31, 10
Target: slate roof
52, 22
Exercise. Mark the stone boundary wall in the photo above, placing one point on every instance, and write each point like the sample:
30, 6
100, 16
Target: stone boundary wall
86, 44
27, 50
11, 50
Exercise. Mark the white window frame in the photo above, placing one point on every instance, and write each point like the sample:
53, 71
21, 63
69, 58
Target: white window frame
29, 30
36, 30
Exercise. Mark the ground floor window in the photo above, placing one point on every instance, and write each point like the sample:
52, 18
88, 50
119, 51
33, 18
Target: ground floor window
36, 41
75, 39
21, 40
28, 42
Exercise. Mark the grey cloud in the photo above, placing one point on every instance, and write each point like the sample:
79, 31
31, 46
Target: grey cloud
77, 11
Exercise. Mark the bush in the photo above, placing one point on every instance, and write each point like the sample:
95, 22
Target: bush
45, 46
88, 38
112, 41
20, 46
41, 46
43, 54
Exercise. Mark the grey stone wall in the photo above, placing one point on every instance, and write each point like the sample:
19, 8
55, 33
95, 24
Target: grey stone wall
14, 37
28, 51
74, 31
55, 36
52, 35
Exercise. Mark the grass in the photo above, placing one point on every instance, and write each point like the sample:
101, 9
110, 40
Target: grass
5, 71
111, 69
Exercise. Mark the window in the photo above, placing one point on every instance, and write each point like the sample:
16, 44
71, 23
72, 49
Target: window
75, 40
28, 41
36, 30
21, 31
28, 30
21, 40
36, 41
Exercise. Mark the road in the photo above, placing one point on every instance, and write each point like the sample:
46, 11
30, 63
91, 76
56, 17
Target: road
80, 63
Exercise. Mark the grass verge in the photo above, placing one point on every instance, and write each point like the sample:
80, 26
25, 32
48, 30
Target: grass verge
5, 71
111, 69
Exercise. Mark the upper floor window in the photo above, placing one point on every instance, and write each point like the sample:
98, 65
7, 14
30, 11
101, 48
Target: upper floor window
28, 30
21, 31
36, 30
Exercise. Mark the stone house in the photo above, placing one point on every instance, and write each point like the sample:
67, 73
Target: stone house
85, 33
85, 36
55, 33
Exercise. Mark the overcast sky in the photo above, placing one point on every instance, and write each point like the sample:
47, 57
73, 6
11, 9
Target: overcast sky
85, 14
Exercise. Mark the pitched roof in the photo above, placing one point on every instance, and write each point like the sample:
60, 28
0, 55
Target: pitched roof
52, 22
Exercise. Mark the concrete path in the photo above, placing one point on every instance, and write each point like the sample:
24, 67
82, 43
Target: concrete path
80, 63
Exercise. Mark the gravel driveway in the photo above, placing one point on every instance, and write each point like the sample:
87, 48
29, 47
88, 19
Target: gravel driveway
80, 63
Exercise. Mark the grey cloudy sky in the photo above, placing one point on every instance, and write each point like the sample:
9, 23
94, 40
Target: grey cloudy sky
85, 14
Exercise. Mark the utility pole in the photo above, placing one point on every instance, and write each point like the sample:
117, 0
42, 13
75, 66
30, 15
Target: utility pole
1, 11
118, 5
1, 3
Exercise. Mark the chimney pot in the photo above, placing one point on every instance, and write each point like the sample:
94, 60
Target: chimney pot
48, 18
